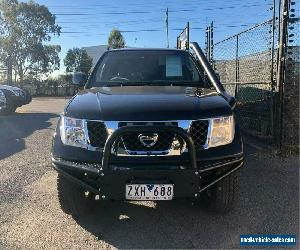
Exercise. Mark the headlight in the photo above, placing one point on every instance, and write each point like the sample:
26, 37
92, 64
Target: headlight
72, 132
2, 96
221, 132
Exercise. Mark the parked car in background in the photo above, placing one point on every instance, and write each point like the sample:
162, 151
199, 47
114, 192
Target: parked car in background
14, 97
2, 101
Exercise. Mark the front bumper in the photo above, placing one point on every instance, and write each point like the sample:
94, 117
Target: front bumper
107, 175
2, 105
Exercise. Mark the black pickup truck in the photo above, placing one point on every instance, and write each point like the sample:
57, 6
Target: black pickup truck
150, 124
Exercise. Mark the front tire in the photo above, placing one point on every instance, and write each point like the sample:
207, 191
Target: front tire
73, 199
222, 196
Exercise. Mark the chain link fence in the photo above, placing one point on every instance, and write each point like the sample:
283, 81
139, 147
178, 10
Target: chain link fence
260, 67
48, 87
47, 90
245, 63
44, 88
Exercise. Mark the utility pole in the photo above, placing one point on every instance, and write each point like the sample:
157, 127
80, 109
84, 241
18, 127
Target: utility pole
187, 35
167, 26
208, 43
211, 42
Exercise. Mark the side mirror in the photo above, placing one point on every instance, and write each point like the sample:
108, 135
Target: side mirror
79, 79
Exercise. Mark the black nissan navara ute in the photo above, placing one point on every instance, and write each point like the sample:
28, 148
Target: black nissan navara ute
148, 124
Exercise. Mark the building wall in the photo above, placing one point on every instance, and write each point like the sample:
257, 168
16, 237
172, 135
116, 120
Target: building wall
95, 52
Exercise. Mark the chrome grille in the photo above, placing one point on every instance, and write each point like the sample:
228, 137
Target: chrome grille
122, 124
198, 131
97, 133
133, 141
138, 142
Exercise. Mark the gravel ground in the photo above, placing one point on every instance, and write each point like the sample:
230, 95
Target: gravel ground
30, 217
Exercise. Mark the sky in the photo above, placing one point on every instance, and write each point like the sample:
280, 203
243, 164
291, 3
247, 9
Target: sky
143, 22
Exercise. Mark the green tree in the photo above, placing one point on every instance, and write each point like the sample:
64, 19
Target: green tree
25, 27
116, 39
77, 60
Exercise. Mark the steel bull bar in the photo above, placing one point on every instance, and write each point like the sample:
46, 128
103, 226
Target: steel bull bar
103, 170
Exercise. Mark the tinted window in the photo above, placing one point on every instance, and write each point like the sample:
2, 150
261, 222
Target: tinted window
146, 66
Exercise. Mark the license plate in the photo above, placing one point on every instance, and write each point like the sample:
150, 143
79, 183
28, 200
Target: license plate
149, 191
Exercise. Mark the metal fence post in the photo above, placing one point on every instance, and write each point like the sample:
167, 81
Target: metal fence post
208, 43
272, 70
237, 68
281, 67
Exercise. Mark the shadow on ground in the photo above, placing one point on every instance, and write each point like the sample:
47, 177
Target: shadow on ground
268, 204
15, 128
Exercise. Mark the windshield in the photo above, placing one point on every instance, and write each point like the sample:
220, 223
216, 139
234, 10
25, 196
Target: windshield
146, 67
